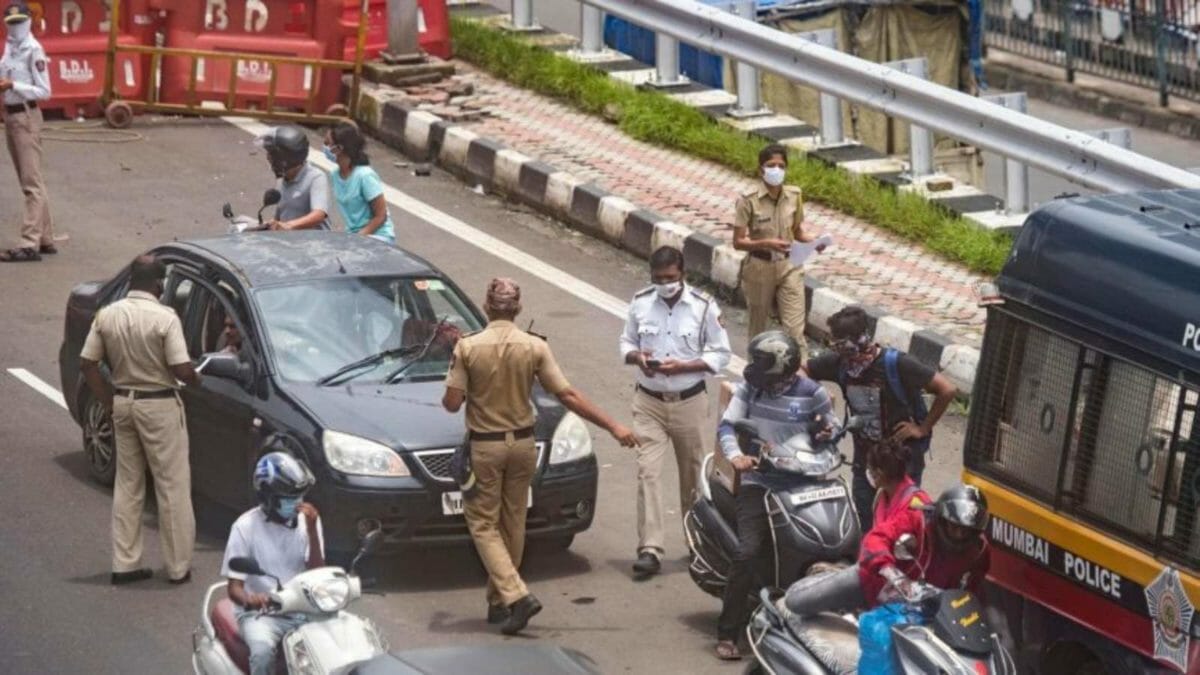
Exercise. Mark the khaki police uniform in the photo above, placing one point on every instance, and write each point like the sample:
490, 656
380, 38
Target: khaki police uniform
671, 412
26, 64
771, 284
140, 339
496, 367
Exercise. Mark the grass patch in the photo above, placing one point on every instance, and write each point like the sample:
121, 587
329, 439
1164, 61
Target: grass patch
654, 118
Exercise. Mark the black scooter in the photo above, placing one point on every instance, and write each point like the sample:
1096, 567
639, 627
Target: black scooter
952, 636
812, 524
239, 224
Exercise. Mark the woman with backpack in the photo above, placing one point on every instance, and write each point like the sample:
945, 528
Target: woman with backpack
885, 388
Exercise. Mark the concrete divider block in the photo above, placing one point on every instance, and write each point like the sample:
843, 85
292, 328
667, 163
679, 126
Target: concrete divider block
560, 187
585, 207
456, 146
416, 132
894, 332
507, 174
614, 211
825, 303
958, 364
639, 232
727, 265
481, 160
667, 233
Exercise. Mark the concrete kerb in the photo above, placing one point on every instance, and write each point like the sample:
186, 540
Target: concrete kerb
617, 220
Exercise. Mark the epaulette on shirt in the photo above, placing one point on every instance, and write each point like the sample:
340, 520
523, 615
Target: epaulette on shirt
702, 295
644, 291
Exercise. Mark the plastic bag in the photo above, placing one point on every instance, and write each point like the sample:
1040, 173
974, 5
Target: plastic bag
875, 637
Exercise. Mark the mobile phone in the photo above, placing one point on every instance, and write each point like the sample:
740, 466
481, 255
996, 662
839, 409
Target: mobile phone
653, 363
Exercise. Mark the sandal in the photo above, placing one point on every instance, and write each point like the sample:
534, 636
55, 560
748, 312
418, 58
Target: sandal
727, 650
20, 255
47, 249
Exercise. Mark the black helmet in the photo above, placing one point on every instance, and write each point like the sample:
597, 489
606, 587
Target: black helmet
286, 146
774, 360
279, 476
965, 506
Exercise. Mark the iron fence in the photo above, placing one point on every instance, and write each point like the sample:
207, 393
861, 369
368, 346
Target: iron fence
1150, 43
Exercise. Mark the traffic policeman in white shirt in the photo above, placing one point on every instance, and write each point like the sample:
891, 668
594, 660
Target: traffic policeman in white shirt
676, 337
25, 80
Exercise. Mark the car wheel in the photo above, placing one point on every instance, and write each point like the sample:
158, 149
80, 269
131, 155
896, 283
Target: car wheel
99, 442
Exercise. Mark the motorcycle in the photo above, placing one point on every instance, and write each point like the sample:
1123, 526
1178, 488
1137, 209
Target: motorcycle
946, 632
813, 525
239, 224
331, 639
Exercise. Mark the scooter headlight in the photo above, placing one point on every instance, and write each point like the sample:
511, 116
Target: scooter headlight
300, 661
330, 595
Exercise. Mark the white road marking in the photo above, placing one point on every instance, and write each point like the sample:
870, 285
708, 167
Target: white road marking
39, 385
486, 242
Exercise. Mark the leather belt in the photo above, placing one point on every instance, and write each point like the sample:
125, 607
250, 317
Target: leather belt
19, 108
762, 255
135, 394
675, 396
517, 435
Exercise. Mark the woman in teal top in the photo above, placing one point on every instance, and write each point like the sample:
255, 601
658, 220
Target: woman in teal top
356, 187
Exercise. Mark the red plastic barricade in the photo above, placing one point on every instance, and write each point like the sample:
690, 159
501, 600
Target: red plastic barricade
75, 36
377, 36
288, 28
434, 24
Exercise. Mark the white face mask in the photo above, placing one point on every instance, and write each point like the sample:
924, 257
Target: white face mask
773, 175
873, 478
18, 31
668, 291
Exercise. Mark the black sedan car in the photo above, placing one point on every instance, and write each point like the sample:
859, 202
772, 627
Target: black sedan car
342, 344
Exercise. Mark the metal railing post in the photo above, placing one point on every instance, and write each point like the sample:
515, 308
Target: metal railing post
920, 140
591, 29
1016, 173
666, 58
749, 87
1160, 51
1121, 137
1064, 13
832, 132
522, 13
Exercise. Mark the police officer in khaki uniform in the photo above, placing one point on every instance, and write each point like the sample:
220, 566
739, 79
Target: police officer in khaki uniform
493, 371
24, 79
675, 336
142, 342
768, 220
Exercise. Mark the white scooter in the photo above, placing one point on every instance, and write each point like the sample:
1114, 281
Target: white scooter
239, 224
331, 639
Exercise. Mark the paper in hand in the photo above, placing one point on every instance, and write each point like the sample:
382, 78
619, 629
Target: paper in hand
802, 251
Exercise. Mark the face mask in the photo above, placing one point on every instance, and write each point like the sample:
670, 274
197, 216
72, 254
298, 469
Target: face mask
667, 291
329, 154
873, 478
18, 31
288, 506
773, 175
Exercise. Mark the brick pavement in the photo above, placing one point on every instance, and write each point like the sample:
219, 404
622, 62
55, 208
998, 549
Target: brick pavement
867, 263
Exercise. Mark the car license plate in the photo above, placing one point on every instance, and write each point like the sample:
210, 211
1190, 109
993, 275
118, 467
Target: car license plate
820, 494
452, 502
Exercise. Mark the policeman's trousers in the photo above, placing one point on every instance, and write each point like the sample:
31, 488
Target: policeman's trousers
496, 513
662, 425
23, 131
152, 432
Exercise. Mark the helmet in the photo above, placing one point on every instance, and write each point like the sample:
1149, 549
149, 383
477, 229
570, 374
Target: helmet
774, 359
280, 481
963, 506
286, 146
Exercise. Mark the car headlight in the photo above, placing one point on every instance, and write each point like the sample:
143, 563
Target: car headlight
330, 595
352, 454
571, 440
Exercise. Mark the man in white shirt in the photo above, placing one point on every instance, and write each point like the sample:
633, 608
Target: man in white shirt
283, 535
676, 337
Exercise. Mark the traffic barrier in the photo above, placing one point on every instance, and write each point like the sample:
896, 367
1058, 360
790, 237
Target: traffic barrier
272, 28
377, 35
433, 24
74, 34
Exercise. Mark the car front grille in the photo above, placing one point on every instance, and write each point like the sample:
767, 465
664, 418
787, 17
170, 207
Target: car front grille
436, 463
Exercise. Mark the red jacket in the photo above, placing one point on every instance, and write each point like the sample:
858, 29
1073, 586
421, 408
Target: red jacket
904, 513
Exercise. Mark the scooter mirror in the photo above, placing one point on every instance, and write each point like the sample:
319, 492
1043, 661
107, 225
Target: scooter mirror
271, 197
227, 210
370, 542
905, 548
245, 566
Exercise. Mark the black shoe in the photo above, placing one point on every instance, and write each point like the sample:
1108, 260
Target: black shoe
522, 611
122, 578
498, 614
647, 564
182, 580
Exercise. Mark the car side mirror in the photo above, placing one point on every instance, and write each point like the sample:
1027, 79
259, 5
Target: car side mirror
271, 197
225, 366
905, 548
227, 210
246, 566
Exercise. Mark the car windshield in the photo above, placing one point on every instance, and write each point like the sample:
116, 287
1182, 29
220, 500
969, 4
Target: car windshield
319, 328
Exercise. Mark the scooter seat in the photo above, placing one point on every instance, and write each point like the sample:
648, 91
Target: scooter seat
225, 625
830, 638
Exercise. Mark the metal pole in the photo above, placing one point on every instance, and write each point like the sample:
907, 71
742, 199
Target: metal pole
1064, 14
1016, 173
666, 56
749, 91
522, 13
920, 140
1160, 50
831, 107
403, 36
591, 29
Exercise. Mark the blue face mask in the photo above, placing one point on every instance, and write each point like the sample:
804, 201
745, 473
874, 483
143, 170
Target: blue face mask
288, 506
329, 154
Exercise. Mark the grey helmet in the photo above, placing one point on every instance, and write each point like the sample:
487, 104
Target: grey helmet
774, 359
286, 146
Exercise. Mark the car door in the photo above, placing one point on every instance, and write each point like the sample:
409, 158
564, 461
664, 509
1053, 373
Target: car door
221, 417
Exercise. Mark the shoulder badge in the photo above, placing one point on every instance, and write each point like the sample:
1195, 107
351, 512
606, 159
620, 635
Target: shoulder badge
645, 291
40, 64
703, 295
916, 504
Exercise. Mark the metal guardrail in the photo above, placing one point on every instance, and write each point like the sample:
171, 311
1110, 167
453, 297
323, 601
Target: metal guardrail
1075, 155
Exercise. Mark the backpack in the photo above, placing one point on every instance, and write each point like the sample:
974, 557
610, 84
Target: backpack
891, 369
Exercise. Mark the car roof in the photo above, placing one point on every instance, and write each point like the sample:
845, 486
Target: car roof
266, 258
1123, 266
